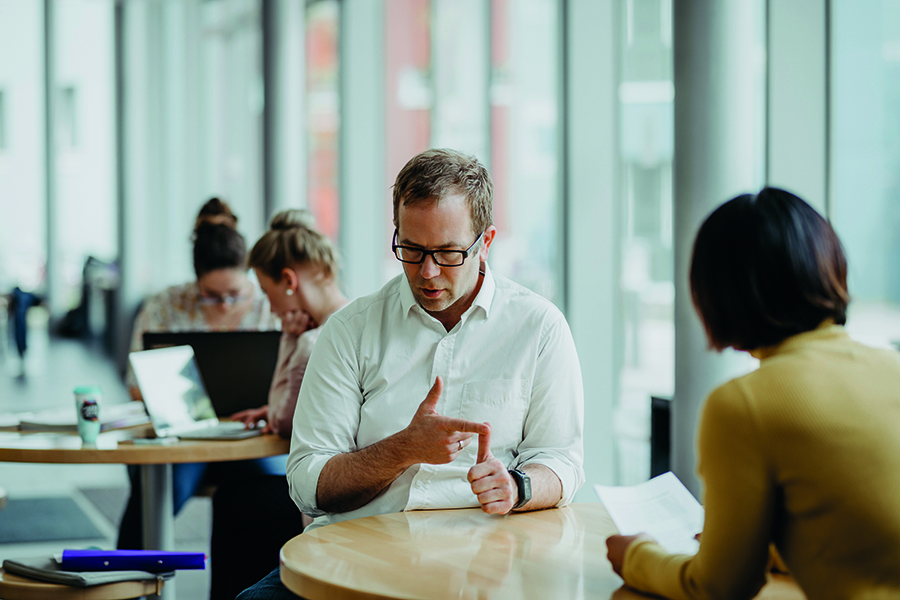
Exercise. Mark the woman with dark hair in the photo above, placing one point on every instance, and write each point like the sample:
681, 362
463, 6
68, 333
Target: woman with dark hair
222, 298
804, 452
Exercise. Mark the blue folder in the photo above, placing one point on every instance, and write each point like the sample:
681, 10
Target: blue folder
154, 561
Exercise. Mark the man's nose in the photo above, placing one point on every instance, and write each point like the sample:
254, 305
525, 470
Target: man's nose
429, 269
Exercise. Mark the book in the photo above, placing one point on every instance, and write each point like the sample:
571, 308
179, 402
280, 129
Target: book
48, 569
661, 507
154, 561
65, 420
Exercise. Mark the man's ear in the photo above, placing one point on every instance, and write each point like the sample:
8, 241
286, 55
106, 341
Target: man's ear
290, 277
487, 240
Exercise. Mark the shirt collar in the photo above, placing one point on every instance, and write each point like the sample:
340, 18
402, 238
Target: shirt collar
483, 300
485, 297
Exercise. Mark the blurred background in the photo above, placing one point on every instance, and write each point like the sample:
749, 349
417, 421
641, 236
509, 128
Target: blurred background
118, 119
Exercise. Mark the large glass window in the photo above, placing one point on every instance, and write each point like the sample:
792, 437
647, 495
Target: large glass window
482, 77
460, 73
86, 222
646, 96
233, 99
22, 200
865, 161
323, 113
525, 143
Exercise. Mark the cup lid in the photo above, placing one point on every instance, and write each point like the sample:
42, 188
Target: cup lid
87, 389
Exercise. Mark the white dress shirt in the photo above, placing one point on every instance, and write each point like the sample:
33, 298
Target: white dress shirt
510, 361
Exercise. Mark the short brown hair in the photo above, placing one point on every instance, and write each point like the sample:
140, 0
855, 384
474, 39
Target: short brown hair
434, 174
766, 267
293, 240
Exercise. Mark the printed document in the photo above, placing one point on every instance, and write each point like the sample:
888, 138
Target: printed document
661, 507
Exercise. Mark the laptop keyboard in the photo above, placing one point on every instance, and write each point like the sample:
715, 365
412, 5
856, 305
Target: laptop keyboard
224, 431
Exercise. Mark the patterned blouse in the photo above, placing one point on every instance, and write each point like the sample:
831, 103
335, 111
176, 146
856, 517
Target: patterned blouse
178, 308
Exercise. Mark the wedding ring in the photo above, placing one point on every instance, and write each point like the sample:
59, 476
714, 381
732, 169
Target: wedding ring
460, 445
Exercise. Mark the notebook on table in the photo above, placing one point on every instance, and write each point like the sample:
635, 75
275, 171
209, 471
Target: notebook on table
237, 366
176, 398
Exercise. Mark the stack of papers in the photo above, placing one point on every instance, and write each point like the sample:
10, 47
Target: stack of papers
661, 507
65, 419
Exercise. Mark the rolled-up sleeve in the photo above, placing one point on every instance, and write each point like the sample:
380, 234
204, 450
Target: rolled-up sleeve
554, 425
326, 419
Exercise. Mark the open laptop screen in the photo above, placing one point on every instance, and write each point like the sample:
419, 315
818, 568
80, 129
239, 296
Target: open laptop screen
172, 388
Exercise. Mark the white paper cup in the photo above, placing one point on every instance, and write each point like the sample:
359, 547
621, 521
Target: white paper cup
87, 407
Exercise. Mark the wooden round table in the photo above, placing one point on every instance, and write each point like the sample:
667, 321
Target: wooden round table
155, 462
459, 554
13, 587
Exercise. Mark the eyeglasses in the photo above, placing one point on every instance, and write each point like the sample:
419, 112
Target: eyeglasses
226, 299
442, 258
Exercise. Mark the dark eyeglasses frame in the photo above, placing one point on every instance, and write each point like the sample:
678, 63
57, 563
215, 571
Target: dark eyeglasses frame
432, 253
227, 299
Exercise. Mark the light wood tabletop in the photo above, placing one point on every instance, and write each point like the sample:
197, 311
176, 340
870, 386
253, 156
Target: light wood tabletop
466, 554
118, 447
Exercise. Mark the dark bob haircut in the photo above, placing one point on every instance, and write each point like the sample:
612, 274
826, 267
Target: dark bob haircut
766, 267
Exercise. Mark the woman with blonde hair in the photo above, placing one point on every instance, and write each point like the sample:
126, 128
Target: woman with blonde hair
296, 267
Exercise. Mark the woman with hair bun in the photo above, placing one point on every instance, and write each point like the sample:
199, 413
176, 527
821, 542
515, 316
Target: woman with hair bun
222, 298
804, 452
296, 267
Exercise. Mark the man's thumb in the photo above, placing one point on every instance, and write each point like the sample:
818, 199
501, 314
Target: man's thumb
484, 445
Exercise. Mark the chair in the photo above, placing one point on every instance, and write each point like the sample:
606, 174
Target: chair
13, 587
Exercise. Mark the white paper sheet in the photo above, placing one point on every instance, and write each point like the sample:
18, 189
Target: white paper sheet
661, 507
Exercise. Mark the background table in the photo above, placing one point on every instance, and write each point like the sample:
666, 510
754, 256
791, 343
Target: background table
462, 554
155, 463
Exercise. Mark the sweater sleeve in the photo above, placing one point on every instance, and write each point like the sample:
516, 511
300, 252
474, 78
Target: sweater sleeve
739, 505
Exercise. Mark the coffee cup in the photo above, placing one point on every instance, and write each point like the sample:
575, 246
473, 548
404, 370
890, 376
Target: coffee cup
87, 408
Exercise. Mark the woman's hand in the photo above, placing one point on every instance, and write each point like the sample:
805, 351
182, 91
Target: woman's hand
252, 416
296, 322
617, 546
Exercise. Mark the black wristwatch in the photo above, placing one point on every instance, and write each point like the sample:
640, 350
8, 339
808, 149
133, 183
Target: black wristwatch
523, 483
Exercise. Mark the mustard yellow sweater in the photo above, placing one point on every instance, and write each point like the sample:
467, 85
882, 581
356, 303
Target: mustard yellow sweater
803, 452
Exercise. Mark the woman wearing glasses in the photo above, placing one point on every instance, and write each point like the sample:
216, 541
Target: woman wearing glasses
222, 298
296, 266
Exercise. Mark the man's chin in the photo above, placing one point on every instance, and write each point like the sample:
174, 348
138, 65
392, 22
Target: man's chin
432, 305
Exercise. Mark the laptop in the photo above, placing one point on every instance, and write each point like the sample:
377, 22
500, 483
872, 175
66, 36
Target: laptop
176, 398
237, 366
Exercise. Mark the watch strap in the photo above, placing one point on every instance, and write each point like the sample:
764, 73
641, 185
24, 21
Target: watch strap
523, 484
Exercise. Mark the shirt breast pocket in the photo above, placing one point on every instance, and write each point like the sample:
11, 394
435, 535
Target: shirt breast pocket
501, 402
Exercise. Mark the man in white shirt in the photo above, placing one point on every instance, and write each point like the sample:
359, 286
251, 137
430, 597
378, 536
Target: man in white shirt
450, 387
